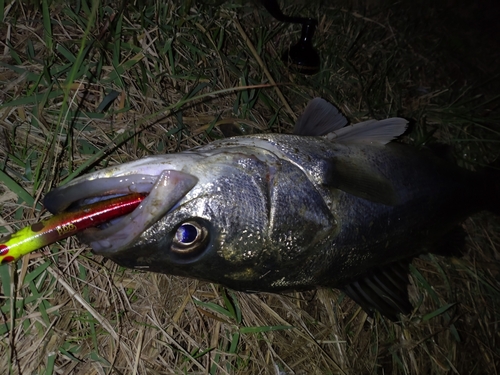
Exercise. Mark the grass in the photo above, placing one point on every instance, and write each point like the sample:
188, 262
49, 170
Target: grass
103, 82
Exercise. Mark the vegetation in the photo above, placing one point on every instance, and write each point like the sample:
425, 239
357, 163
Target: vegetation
91, 83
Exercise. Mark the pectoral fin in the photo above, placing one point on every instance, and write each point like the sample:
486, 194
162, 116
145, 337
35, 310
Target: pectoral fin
384, 289
359, 179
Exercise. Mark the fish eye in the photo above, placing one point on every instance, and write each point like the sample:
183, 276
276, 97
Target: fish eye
187, 233
190, 237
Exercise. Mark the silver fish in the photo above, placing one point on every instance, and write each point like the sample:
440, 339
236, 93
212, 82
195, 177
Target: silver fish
330, 206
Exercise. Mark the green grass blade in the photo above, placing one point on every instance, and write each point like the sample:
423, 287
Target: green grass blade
17, 189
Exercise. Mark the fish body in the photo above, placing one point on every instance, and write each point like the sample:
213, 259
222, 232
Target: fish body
277, 212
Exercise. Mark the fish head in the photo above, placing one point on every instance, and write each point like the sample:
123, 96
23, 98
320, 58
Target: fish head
238, 216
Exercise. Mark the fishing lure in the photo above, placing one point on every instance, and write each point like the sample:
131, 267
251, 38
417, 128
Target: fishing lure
65, 224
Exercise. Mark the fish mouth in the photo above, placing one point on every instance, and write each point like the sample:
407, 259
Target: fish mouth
163, 191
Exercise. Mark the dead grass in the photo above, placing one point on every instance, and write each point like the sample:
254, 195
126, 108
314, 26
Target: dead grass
105, 82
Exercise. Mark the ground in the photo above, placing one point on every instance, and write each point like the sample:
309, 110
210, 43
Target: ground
96, 83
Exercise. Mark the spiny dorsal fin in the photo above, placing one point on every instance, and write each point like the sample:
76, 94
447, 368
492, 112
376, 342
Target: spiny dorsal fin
319, 118
371, 131
384, 289
322, 118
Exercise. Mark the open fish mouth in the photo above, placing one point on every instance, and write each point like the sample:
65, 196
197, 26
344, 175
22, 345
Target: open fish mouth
163, 191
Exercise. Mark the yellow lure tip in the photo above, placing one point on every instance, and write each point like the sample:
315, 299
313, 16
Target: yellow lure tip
63, 225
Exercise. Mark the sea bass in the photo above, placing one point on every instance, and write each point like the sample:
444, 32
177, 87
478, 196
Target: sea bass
329, 206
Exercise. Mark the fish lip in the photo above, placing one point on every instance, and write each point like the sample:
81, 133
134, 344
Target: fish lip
86, 191
138, 176
163, 191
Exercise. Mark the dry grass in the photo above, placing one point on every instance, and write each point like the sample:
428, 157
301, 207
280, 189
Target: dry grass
104, 82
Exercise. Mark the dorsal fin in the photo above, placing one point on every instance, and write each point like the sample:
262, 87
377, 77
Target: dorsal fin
322, 118
319, 118
371, 131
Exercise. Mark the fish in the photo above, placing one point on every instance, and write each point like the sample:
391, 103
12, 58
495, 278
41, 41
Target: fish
332, 205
